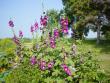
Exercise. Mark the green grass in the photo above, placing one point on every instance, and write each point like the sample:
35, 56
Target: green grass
102, 51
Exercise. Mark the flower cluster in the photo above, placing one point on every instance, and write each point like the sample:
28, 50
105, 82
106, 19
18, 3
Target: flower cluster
50, 64
33, 60
66, 69
52, 42
11, 24
20, 34
64, 25
56, 33
42, 65
35, 27
43, 21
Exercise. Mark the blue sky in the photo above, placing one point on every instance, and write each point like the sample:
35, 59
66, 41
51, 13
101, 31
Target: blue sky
24, 13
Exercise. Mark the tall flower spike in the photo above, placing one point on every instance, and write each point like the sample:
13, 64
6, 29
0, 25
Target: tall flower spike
36, 25
56, 33
33, 60
11, 23
20, 34
32, 28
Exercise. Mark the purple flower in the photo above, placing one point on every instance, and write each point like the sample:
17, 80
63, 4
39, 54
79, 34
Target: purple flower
50, 65
64, 25
64, 22
65, 30
36, 25
11, 23
43, 21
42, 65
52, 42
56, 33
32, 29
66, 69
20, 34
33, 60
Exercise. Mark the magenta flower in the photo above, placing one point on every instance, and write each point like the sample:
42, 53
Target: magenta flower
50, 65
66, 69
43, 21
33, 60
42, 65
20, 34
36, 25
52, 42
64, 22
32, 29
56, 33
65, 30
11, 23
64, 25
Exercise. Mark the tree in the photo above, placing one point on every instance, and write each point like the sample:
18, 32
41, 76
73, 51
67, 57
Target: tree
83, 9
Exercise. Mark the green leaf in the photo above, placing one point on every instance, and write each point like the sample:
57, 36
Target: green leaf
69, 78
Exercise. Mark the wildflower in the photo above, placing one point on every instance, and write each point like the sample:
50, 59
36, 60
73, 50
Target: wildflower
36, 25
33, 60
66, 69
20, 34
52, 42
32, 28
43, 21
42, 65
11, 23
64, 25
65, 30
50, 65
56, 33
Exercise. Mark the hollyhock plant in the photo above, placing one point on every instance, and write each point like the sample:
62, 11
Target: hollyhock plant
65, 30
11, 24
36, 25
33, 60
66, 69
50, 65
16, 40
32, 28
42, 65
52, 42
56, 33
64, 25
43, 21
20, 34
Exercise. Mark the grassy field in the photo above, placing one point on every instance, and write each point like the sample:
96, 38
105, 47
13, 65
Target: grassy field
102, 52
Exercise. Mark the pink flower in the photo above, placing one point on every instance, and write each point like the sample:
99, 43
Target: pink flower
52, 42
11, 23
42, 65
20, 34
56, 33
43, 21
69, 72
33, 60
66, 69
50, 65
64, 22
65, 30
32, 28
36, 25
